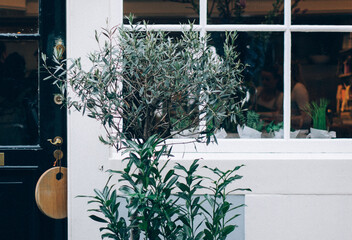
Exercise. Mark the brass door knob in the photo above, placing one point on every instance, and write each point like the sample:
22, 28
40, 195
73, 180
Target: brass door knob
58, 99
57, 141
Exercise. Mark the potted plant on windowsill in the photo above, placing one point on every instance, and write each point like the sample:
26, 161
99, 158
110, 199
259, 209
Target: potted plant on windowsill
158, 87
317, 111
253, 126
275, 130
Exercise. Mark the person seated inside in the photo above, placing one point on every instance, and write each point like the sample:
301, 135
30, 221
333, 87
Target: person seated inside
269, 96
299, 99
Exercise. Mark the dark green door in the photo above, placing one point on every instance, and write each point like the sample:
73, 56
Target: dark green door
28, 115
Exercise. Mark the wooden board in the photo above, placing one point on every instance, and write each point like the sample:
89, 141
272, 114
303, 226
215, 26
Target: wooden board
51, 193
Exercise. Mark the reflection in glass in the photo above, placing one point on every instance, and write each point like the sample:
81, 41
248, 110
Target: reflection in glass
19, 16
322, 64
245, 12
163, 11
18, 92
322, 12
263, 54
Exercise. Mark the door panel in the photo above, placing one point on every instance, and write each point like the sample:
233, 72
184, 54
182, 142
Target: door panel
17, 209
28, 115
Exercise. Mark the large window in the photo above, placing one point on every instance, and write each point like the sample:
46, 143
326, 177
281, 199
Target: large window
299, 56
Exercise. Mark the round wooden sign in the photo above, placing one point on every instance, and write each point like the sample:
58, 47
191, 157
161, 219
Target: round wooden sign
51, 193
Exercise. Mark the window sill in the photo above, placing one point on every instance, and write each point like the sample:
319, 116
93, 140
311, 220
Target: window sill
254, 149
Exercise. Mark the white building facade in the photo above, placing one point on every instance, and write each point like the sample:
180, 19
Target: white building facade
301, 188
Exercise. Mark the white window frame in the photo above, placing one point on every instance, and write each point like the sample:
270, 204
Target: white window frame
274, 148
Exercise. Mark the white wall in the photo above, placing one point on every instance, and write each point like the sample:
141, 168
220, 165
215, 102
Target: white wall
86, 154
295, 196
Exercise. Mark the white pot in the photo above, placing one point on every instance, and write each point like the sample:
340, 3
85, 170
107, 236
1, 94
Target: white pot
279, 134
275, 134
294, 134
318, 133
220, 133
247, 132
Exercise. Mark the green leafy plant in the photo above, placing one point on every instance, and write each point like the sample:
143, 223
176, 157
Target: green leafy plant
162, 202
150, 204
109, 202
218, 224
253, 121
272, 127
157, 86
192, 203
317, 111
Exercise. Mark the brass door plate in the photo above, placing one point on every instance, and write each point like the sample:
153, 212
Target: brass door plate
2, 159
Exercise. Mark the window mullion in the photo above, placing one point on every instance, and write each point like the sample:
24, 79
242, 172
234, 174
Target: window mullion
321, 28
287, 70
202, 23
287, 12
287, 83
203, 16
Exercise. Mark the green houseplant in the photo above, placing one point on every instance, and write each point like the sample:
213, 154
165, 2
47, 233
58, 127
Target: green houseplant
317, 111
158, 86
275, 130
252, 127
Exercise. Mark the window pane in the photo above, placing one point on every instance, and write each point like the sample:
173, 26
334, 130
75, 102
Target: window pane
263, 78
321, 71
163, 11
245, 12
18, 92
322, 12
19, 16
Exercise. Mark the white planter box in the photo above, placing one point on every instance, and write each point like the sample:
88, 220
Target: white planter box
247, 132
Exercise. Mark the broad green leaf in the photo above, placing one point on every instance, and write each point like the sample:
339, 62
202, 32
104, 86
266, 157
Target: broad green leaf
98, 219
227, 230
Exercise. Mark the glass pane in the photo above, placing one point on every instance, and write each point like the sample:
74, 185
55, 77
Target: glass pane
263, 53
163, 11
19, 16
321, 79
245, 11
322, 12
18, 92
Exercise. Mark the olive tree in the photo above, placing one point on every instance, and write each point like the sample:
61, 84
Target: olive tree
143, 82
